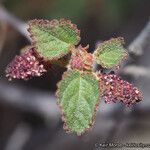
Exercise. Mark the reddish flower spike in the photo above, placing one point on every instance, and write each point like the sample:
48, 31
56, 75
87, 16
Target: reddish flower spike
115, 89
24, 66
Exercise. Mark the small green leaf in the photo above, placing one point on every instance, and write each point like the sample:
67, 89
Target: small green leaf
53, 39
78, 97
110, 53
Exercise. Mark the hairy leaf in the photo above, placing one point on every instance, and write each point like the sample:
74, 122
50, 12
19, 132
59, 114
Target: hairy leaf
110, 53
53, 39
78, 96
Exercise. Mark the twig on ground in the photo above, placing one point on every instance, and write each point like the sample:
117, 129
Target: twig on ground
136, 71
140, 42
39, 102
19, 25
19, 137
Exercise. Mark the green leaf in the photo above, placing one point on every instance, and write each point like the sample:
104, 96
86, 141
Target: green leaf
78, 97
110, 53
53, 39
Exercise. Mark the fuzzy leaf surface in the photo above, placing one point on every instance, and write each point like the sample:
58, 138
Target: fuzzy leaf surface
110, 53
78, 96
53, 39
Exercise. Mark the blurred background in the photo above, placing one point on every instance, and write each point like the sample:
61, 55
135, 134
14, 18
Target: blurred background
29, 116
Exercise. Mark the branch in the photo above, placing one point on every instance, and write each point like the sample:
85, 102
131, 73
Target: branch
140, 42
19, 137
136, 71
20, 26
36, 101
3, 31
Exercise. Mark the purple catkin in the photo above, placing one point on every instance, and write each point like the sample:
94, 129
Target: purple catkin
24, 66
115, 89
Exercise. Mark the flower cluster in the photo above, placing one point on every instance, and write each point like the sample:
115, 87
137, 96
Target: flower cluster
25, 66
81, 59
115, 89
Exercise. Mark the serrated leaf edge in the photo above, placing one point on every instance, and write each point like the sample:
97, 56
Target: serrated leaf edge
52, 23
66, 128
124, 57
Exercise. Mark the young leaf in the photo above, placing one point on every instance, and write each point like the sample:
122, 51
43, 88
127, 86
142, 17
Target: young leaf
78, 97
53, 39
110, 53
81, 59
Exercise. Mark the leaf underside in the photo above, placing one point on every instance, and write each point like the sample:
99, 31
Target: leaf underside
78, 96
53, 39
110, 53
